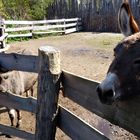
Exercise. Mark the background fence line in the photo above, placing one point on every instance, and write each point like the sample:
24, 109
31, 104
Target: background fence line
31, 28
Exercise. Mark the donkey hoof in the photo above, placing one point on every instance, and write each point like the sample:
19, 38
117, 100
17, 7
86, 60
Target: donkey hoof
17, 126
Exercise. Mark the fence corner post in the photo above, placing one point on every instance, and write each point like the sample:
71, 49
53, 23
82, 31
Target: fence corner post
48, 88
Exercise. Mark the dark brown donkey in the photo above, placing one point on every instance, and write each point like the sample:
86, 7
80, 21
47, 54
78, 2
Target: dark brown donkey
123, 77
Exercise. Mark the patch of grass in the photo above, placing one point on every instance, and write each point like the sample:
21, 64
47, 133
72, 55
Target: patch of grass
105, 41
46, 35
20, 39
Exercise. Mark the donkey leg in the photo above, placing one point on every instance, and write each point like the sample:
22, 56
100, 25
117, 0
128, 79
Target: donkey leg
12, 116
18, 119
27, 93
32, 91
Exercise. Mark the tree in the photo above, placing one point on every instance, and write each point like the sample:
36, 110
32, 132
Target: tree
17, 9
24, 9
38, 8
2, 10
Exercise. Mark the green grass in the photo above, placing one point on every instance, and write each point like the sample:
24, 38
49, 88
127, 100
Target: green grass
20, 39
105, 41
17, 39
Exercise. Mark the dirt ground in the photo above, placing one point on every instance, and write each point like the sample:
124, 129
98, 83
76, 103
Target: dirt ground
85, 54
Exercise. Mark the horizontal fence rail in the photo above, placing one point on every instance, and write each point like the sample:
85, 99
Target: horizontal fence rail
76, 128
16, 132
31, 28
83, 92
18, 102
14, 61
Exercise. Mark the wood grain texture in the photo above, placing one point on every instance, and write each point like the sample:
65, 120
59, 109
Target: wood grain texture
14, 61
48, 88
15, 132
15, 101
76, 128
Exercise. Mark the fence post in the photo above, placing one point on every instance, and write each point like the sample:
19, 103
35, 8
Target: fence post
3, 43
77, 25
2, 32
48, 88
32, 27
64, 26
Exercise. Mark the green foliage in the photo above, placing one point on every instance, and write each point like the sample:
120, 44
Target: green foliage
24, 9
18, 39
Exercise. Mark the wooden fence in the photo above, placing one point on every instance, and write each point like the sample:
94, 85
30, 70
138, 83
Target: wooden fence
49, 114
96, 15
31, 28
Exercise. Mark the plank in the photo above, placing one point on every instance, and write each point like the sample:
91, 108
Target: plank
83, 92
19, 29
49, 32
47, 27
71, 30
20, 35
16, 132
48, 21
67, 25
7, 22
72, 19
76, 128
14, 61
15, 101
56, 21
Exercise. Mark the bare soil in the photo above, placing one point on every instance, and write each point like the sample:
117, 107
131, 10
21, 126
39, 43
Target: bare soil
84, 54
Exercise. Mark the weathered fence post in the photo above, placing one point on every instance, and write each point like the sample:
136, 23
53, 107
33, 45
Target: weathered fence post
2, 32
48, 88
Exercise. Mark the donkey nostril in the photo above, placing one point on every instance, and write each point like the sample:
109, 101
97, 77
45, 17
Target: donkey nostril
105, 96
110, 93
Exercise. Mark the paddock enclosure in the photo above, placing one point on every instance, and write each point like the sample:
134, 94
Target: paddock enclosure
80, 56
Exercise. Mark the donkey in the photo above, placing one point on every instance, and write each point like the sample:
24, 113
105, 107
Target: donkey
17, 82
123, 77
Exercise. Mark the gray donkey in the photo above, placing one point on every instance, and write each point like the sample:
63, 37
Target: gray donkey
17, 82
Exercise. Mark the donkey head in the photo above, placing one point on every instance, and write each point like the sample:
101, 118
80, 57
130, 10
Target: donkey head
123, 77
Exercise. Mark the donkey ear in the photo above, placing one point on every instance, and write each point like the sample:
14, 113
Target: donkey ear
127, 24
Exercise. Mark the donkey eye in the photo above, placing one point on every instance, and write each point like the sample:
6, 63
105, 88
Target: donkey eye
6, 77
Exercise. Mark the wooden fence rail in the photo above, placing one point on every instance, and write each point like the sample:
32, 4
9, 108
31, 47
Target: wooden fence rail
83, 92
49, 114
31, 28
